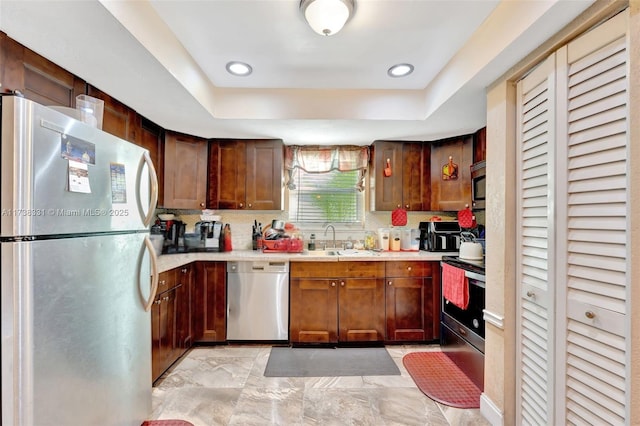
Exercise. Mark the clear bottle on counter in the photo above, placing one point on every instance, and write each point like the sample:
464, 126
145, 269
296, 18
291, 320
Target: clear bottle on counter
312, 242
369, 241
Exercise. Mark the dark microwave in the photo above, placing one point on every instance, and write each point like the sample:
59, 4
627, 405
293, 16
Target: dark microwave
478, 184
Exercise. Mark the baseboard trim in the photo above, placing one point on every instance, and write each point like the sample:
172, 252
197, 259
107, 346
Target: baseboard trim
490, 411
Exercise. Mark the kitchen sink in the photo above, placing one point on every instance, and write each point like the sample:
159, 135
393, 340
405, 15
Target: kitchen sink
326, 252
339, 252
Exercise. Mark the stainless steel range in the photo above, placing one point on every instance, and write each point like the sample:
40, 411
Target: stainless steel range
462, 330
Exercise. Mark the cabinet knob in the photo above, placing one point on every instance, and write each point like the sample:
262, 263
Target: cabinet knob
249, 205
406, 207
184, 270
162, 282
202, 204
590, 314
390, 283
241, 205
399, 205
342, 283
530, 293
408, 268
333, 284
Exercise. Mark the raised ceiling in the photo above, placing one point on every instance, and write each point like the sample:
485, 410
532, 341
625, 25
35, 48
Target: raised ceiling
166, 59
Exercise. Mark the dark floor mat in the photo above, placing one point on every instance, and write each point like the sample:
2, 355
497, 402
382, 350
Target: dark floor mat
441, 380
330, 362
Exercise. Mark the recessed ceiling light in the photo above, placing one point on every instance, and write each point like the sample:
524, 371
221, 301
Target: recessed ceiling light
400, 70
239, 68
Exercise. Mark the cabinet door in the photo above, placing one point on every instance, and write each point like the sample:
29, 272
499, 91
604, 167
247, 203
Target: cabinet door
412, 299
228, 163
164, 349
157, 354
451, 191
480, 145
406, 317
151, 138
314, 310
361, 310
185, 172
183, 307
118, 119
416, 192
38, 79
209, 302
387, 190
264, 175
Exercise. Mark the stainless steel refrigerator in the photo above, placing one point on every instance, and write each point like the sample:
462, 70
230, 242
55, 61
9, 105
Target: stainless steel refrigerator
76, 267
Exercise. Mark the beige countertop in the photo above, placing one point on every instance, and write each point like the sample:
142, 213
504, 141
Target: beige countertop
170, 261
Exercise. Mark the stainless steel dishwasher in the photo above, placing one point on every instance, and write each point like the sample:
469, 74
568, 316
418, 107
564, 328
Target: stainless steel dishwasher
258, 301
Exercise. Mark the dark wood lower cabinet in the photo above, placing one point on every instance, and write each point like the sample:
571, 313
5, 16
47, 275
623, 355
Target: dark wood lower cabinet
412, 301
163, 333
337, 302
209, 304
171, 333
330, 302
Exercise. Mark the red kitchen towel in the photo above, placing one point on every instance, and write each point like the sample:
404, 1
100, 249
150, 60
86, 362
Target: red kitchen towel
455, 286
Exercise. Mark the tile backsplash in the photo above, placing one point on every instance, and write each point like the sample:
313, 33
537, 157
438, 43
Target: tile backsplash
241, 223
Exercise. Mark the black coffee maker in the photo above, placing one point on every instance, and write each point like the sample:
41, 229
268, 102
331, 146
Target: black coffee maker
440, 236
173, 232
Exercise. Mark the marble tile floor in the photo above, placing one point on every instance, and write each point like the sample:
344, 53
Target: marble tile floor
224, 385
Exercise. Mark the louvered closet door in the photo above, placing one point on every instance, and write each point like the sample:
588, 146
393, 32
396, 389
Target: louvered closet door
536, 124
592, 225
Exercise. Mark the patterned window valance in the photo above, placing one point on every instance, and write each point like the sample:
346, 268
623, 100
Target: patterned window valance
323, 159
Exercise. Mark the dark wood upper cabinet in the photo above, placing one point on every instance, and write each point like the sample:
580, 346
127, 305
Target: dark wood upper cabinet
451, 193
118, 119
245, 174
37, 78
407, 184
185, 171
480, 145
152, 138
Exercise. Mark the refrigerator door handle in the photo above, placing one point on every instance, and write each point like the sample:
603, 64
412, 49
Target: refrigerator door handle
154, 273
153, 181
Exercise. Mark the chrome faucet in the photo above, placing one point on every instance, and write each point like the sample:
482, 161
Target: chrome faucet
334, 233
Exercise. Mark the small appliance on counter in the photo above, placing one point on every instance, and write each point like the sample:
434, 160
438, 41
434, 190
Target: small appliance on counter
440, 236
173, 231
211, 236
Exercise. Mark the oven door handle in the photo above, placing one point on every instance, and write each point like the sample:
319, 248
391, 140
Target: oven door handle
471, 275
475, 276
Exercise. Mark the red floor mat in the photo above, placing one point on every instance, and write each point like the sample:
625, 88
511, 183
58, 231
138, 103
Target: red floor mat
441, 380
166, 423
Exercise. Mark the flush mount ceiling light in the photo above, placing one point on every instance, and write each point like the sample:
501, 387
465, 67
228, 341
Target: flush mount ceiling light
239, 68
400, 70
327, 17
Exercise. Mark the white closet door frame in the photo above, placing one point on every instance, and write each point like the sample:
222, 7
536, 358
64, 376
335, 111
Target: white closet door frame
536, 112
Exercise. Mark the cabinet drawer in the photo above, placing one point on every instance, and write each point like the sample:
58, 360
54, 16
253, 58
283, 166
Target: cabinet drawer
315, 269
408, 269
363, 269
166, 280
